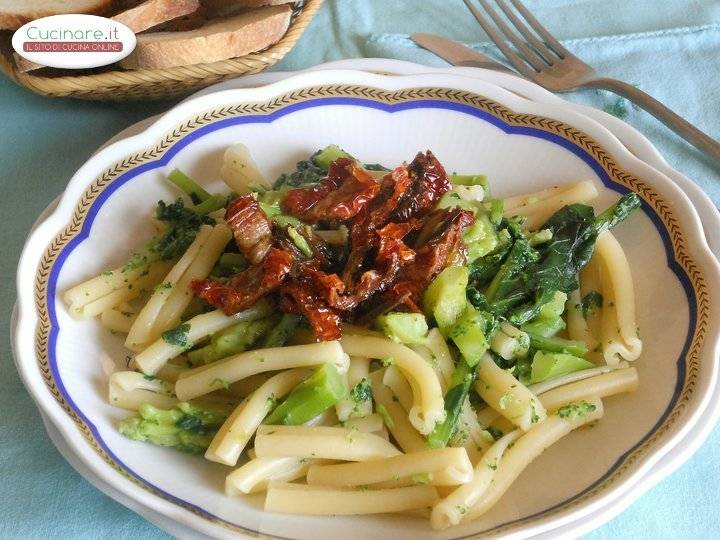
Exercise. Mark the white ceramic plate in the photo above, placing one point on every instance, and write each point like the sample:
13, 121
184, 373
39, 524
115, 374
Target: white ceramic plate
455, 133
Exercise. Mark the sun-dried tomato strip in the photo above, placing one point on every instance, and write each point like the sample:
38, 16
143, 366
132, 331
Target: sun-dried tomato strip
325, 322
247, 287
373, 217
347, 189
429, 183
250, 227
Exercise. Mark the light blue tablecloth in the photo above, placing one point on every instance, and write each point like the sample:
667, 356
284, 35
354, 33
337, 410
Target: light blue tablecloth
670, 49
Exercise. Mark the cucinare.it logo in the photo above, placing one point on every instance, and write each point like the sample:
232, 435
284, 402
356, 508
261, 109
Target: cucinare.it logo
74, 41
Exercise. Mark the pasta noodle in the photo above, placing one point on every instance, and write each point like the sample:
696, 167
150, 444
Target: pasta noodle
202, 380
577, 326
539, 212
507, 395
394, 380
428, 405
526, 449
321, 442
234, 434
129, 390
141, 330
619, 331
200, 326
347, 408
398, 423
319, 500
181, 295
144, 281
449, 511
443, 466
116, 320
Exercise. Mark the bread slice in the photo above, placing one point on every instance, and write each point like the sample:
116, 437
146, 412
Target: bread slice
218, 40
15, 13
154, 12
221, 8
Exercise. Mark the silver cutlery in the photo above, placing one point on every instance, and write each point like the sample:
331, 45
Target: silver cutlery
538, 56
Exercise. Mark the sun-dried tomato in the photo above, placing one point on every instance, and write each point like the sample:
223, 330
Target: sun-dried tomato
250, 227
347, 189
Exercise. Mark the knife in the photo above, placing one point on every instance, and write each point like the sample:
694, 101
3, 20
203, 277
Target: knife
456, 53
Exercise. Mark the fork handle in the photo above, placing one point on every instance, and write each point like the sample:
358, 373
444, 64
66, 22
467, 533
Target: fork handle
678, 124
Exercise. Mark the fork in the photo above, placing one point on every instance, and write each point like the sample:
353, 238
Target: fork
541, 58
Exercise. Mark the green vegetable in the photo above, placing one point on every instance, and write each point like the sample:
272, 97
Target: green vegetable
362, 391
496, 207
462, 380
616, 213
507, 284
406, 328
182, 226
574, 229
178, 336
469, 334
573, 410
445, 298
196, 193
313, 170
480, 238
556, 344
555, 307
547, 365
544, 327
233, 340
282, 220
228, 265
299, 241
385, 415
280, 333
540, 237
323, 158
469, 179
453, 200
186, 427
311, 397
549, 319
211, 204
590, 302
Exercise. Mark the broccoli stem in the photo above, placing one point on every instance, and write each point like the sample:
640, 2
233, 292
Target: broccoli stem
189, 186
617, 213
232, 340
212, 203
314, 395
323, 158
556, 344
186, 427
279, 334
461, 382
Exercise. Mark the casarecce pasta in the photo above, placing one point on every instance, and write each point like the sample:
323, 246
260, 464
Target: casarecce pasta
354, 340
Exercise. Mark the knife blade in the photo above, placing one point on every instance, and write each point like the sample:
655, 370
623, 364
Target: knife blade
456, 53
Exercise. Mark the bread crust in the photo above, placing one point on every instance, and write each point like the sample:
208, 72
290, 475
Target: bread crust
154, 12
14, 20
218, 40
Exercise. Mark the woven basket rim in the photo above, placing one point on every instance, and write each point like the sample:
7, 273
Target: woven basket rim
178, 79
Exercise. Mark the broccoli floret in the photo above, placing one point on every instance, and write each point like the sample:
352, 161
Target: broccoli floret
185, 427
183, 224
362, 391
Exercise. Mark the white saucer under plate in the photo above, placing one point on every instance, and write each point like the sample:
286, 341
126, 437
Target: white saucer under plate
473, 70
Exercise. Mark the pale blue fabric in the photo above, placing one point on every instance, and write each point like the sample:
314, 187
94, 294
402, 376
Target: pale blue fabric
670, 49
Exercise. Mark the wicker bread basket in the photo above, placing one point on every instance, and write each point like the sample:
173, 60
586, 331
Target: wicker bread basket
118, 85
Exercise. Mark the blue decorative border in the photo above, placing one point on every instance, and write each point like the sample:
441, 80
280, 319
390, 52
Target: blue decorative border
389, 108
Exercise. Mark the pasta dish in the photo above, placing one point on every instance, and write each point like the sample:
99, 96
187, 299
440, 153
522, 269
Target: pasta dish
352, 339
